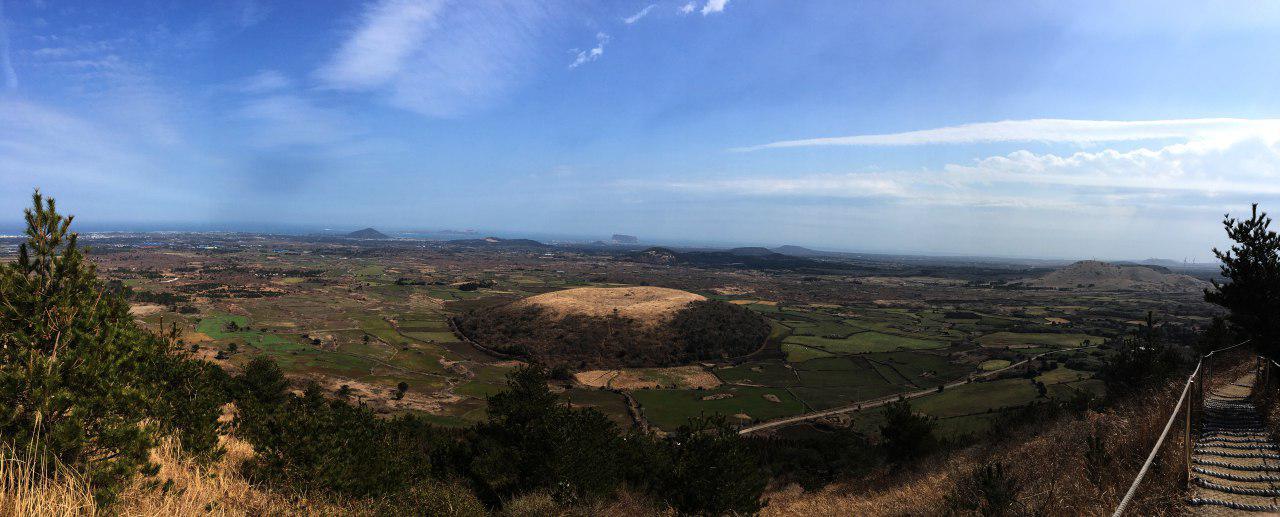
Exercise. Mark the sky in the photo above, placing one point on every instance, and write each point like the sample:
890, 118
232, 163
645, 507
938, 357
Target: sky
1111, 130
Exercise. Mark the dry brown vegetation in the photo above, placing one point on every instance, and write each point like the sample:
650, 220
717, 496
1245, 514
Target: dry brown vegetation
181, 488
1050, 462
649, 305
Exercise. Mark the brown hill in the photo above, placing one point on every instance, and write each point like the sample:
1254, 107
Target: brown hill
1105, 276
614, 327
649, 305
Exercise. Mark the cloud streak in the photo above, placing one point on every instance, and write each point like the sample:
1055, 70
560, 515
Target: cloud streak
591, 54
1202, 172
1052, 130
639, 15
440, 59
714, 6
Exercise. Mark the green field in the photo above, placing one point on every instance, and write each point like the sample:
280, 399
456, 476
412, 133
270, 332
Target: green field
1037, 339
992, 365
668, 409
977, 397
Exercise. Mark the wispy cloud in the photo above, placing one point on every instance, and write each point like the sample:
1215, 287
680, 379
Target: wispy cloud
1199, 172
6, 62
714, 6
264, 81
688, 8
437, 58
391, 31
1052, 130
591, 54
639, 15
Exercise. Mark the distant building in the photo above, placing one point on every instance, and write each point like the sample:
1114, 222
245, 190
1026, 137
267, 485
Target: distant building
619, 238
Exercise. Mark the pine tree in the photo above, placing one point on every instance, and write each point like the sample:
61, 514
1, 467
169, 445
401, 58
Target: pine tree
1253, 267
82, 382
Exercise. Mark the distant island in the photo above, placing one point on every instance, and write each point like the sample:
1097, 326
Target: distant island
367, 233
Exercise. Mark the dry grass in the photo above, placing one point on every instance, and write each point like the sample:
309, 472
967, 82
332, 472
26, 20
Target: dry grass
649, 305
181, 488
1047, 459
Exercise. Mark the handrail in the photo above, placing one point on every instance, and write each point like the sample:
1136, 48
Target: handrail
1142, 473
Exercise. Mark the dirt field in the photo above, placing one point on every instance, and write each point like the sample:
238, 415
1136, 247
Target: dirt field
650, 305
685, 377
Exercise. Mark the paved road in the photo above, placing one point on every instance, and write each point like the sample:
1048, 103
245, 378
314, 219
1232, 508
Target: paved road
877, 402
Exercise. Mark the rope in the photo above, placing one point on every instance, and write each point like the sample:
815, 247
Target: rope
1133, 488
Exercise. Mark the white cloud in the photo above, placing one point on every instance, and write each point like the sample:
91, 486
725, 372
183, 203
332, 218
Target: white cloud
591, 54
392, 30
687, 8
1186, 175
264, 81
639, 15
440, 59
1053, 130
714, 6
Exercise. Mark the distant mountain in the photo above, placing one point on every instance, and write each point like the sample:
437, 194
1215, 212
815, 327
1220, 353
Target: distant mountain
799, 251
752, 251
622, 238
750, 257
367, 233
495, 242
1093, 274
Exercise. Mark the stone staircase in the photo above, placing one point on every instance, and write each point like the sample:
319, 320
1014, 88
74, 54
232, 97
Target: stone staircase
1235, 465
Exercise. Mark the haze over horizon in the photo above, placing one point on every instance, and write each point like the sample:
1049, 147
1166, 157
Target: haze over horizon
1083, 130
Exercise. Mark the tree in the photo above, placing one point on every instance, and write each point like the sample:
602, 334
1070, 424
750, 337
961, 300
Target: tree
714, 471
1142, 359
534, 441
1252, 266
906, 435
80, 380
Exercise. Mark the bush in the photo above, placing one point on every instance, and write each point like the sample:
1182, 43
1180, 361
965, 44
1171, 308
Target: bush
430, 498
989, 490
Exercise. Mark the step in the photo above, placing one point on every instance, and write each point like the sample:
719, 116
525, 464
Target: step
1235, 466
1242, 446
1237, 454
1232, 476
1240, 490
1196, 501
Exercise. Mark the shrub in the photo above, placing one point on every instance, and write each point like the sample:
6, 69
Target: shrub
989, 490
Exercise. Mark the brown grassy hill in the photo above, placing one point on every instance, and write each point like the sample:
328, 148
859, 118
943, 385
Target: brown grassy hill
649, 305
614, 327
1105, 276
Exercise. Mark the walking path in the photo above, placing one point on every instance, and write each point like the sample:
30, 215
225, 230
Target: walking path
1235, 464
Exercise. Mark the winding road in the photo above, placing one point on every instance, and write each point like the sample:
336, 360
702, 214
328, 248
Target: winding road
881, 401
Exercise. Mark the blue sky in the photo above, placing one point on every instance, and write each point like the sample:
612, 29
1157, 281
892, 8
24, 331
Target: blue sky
1044, 129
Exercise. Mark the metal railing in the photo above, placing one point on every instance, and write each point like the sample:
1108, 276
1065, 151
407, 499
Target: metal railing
1197, 377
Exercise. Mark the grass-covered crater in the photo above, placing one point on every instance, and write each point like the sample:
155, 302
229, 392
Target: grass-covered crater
609, 327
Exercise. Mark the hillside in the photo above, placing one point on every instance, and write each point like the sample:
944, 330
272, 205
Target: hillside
367, 233
593, 327
1104, 276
